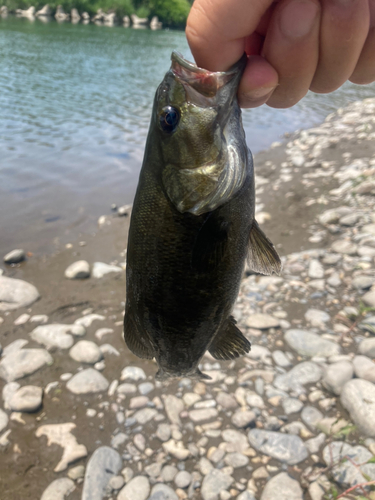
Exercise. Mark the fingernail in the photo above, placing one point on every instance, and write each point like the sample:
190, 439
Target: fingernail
258, 93
298, 18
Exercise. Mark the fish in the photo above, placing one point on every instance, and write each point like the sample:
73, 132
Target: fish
193, 224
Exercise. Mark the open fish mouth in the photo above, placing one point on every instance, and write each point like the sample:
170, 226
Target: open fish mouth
206, 84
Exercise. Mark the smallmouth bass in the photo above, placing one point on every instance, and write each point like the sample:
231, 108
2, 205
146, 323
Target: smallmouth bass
192, 225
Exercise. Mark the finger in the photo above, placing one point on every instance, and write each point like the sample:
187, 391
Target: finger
216, 30
344, 28
365, 70
257, 84
292, 48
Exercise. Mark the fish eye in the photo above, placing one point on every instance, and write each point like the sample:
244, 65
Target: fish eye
169, 118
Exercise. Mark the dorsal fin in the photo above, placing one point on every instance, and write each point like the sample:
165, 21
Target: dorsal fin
262, 256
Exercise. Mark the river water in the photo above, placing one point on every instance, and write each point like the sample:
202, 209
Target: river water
75, 103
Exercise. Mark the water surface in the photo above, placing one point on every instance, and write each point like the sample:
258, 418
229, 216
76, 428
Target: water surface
75, 103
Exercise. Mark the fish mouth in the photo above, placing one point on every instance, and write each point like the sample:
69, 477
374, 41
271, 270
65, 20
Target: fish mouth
203, 85
163, 374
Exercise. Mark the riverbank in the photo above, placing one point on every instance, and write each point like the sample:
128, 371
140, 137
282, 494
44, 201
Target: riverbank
286, 414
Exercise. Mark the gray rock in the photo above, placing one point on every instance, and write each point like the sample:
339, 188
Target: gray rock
346, 472
182, 479
243, 418
334, 280
303, 373
137, 488
116, 483
14, 346
310, 344
176, 449
14, 256
173, 407
163, 432
100, 269
78, 270
358, 397
281, 359
362, 282
368, 324
16, 293
292, 405
198, 416
350, 219
146, 388
227, 401
282, 487
331, 259
86, 351
316, 270
246, 495
154, 470
344, 247
284, 447
145, 415
127, 388
87, 381
3, 420
8, 391
314, 444
368, 298
77, 472
133, 373
58, 489
53, 336
333, 215
104, 464
364, 368
316, 317
22, 363
236, 460
27, 399
168, 473
87, 320
367, 348
311, 416
162, 492
262, 321
336, 375
214, 483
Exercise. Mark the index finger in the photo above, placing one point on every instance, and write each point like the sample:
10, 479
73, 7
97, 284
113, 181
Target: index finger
216, 30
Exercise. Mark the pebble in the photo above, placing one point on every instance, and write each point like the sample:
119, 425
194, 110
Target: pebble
27, 399
281, 359
226, 400
145, 415
163, 432
21, 320
292, 405
14, 256
127, 388
367, 347
358, 397
137, 488
198, 416
146, 388
317, 317
314, 444
87, 381
311, 416
61, 434
344, 247
168, 473
282, 487
236, 460
104, 464
310, 344
100, 269
39, 318
14, 346
364, 368
133, 373
213, 483
3, 420
316, 270
182, 479
116, 483
85, 351
336, 375
306, 372
246, 495
15, 293
286, 448
349, 472
59, 489
23, 362
87, 320
368, 298
173, 407
53, 336
162, 492
78, 270
77, 472
101, 332
243, 418
362, 282
176, 449
154, 470
262, 321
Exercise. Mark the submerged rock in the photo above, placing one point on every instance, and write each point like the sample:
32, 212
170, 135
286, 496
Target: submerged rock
358, 397
16, 293
24, 362
59, 489
104, 464
282, 487
14, 256
87, 381
78, 270
286, 448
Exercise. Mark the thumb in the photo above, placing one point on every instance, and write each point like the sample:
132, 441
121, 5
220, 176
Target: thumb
216, 30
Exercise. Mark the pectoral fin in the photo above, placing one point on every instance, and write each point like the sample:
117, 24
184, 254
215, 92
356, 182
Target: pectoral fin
262, 256
135, 341
229, 343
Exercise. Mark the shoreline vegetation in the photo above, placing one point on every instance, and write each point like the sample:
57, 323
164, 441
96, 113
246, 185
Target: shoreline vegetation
154, 14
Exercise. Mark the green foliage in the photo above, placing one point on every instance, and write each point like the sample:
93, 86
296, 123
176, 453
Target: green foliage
371, 460
171, 12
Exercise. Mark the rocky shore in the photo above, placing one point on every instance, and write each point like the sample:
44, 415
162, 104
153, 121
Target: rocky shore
81, 417
101, 18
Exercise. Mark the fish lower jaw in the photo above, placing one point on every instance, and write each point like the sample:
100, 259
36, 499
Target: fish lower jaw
163, 374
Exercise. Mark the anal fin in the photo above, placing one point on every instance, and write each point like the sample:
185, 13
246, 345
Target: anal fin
262, 256
135, 341
229, 343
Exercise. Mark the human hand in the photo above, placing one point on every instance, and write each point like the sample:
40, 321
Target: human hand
293, 45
